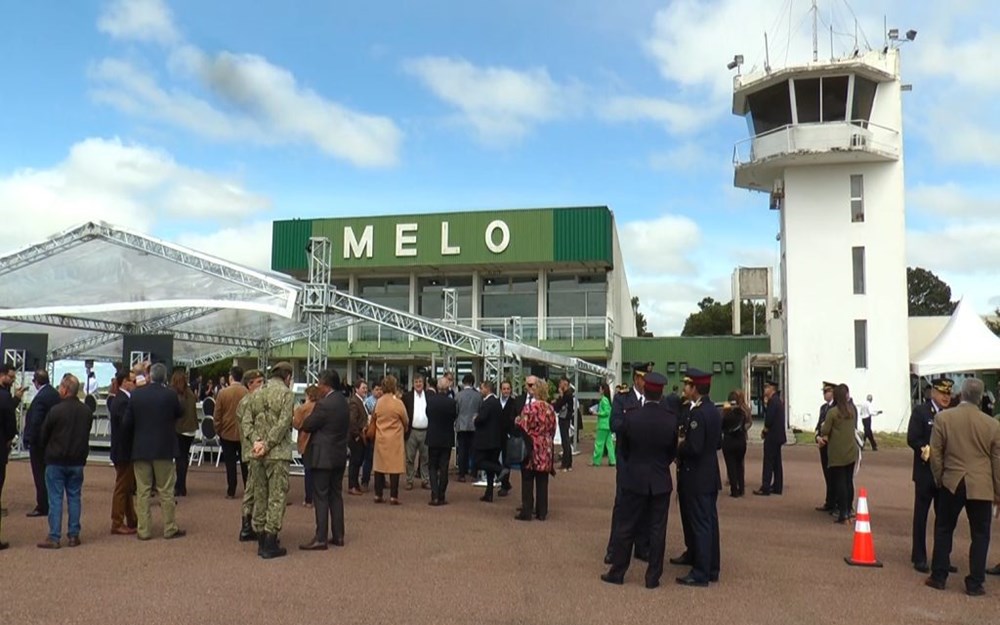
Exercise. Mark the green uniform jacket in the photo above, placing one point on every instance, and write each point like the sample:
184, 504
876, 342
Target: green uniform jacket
244, 418
842, 448
604, 414
272, 408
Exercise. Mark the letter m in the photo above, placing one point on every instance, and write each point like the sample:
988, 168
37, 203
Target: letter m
354, 247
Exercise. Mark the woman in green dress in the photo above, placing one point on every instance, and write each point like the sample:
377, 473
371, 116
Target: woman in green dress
603, 438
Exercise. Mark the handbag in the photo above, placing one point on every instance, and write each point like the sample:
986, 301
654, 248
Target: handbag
517, 451
370, 430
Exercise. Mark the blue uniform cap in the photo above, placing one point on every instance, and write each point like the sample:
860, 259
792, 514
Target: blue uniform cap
697, 376
655, 382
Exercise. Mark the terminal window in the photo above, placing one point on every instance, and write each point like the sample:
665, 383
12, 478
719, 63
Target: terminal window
861, 343
857, 198
858, 260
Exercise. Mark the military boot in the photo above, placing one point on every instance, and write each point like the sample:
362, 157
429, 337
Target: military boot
260, 543
271, 548
246, 531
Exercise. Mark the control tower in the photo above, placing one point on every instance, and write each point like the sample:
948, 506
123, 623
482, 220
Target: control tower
826, 145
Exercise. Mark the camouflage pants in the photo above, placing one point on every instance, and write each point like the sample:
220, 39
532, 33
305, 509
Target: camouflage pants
249, 488
270, 495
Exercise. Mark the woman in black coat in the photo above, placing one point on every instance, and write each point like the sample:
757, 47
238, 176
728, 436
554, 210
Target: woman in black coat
736, 422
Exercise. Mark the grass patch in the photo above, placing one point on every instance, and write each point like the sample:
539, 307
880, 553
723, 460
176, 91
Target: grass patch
887, 440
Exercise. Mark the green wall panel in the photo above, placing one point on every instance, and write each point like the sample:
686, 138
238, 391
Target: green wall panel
697, 352
288, 244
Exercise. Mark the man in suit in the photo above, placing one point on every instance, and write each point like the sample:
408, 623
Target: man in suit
45, 399
509, 410
326, 454
356, 435
150, 420
415, 401
8, 424
441, 414
918, 437
647, 438
468, 401
828, 501
772, 475
624, 402
489, 436
698, 477
123, 517
965, 462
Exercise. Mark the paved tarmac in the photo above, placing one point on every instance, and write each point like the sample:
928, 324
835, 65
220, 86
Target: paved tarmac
470, 562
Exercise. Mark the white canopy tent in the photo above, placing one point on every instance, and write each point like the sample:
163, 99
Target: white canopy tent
965, 344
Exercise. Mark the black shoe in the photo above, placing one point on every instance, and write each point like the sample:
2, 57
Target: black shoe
504, 492
933, 583
921, 567
524, 517
683, 560
762, 493
4, 546
315, 545
246, 531
541, 517
974, 591
994, 571
487, 498
271, 548
652, 585
260, 543
606, 577
825, 508
689, 580
37, 513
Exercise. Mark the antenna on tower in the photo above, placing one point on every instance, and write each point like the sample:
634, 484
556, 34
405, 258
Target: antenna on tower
767, 55
815, 12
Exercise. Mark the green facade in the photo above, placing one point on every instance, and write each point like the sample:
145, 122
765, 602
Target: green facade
536, 236
671, 354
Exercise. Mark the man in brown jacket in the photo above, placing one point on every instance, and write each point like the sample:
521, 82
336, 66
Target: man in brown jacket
228, 429
965, 462
356, 435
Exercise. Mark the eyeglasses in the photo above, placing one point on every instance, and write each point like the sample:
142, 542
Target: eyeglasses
530, 385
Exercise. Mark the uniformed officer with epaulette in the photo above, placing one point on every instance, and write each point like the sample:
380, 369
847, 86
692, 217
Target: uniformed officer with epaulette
918, 437
698, 478
828, 501
647, 441
622, 403
686, 558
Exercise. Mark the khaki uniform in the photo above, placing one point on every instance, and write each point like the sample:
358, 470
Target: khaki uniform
272, 409
244, 417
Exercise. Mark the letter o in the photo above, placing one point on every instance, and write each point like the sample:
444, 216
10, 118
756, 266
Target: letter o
497, 248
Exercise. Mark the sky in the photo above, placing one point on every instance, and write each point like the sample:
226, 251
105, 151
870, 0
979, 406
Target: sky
201, 123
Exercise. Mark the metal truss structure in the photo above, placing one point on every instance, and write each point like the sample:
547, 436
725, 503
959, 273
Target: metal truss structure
314, 302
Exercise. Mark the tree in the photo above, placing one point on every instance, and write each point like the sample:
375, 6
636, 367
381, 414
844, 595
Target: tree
929, 295
640, 319
994, 323
716, 319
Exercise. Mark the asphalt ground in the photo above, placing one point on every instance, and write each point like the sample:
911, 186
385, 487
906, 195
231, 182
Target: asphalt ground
470, 562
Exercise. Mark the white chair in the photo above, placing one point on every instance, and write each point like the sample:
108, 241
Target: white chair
209, 442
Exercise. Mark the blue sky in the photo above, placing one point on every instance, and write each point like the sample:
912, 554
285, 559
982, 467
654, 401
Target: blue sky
203, 122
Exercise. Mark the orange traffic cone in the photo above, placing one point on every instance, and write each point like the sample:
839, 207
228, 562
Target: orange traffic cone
863, 553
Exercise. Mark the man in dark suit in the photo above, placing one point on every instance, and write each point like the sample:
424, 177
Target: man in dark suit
326, 455
441, 414
123, 518
8, 421
647, 439
45, 399
150, 421
830, 497
509, 410
918, 437
772, 475
356, 442
965, 462
698, 477
624, 402
488, 437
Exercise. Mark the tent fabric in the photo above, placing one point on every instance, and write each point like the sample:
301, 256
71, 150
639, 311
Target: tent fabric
965, 344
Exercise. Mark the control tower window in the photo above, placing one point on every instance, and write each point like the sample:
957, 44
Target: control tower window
770, 108
807, 100
864, 98
834, 98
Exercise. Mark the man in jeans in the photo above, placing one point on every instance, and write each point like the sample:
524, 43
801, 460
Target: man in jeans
65, 439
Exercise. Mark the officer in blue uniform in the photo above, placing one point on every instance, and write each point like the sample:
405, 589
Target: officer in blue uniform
698, 478
647, 441
624, 402
828, 501
773, 475
918, 437
683, 421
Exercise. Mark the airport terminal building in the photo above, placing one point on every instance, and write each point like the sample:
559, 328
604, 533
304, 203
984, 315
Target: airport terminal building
554, 276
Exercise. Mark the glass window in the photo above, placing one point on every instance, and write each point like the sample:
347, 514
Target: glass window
858, 260
857, 198
390, 292
864, 99
807, 100
861, 343
430, 296
770, 108
835, 98
510, 296
577, 295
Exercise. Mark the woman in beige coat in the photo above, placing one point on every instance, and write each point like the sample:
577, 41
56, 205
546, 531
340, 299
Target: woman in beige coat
390, 422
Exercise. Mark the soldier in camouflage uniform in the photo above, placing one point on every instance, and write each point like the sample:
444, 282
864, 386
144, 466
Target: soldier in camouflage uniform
272, 447
254, 380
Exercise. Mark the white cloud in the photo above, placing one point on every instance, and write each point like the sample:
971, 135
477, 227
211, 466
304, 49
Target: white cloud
676, 118
247, 244
659, 245
954, 201
124, 184
499, 103
139, 20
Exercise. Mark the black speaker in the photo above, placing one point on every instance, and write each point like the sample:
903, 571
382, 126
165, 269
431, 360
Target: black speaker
35, 347
158, 348
541, 371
